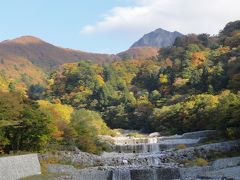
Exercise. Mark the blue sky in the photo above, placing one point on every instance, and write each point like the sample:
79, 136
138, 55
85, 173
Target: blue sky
110, 26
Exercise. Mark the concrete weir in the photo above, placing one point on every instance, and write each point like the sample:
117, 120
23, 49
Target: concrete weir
124, 173
156, 144
153, 173
154, 147
144, 158
16, 167
119, 174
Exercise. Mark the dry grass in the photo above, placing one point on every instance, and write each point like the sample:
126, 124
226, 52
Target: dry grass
181, 146
200, 162
44, 163
135, 135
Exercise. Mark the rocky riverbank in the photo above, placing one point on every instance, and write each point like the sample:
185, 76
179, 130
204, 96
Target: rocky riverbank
227, 168
168, 163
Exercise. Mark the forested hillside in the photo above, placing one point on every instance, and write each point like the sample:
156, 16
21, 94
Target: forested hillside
139, 53
28, 60
192, 85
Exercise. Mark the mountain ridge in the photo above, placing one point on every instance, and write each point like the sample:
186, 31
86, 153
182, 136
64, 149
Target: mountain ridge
46, 55
158, 38
27, 59
28, 39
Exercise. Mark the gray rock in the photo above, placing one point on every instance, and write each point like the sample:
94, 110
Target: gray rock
221, 168
92, 174
62, 169
193, 172
208, 149
158, 38
198, 134
226, 162
143, 165
80, 158
232, 173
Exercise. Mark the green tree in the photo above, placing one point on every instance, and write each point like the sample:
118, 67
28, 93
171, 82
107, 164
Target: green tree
88, 125
11, 87
33, 133
36, 92
22, 125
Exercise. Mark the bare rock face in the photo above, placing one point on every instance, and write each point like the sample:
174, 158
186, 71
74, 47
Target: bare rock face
158, 38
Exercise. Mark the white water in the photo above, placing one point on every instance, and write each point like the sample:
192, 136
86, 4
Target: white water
121, 174
154, 147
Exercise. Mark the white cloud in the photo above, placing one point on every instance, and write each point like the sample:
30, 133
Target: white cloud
186, 16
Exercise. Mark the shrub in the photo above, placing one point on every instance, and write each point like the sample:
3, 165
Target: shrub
200, 162
181, 146
135, 135
88, 125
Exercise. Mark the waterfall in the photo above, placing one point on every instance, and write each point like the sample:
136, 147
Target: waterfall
150, 148
152, 140
138, 148
144, 148
154, 147
121, 174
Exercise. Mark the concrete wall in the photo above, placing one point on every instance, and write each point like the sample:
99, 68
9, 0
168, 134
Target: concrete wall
16, 167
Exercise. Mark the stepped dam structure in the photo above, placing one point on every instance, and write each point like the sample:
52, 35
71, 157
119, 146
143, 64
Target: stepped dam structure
150, 144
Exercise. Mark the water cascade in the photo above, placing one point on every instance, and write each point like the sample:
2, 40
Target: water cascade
121, 174
149, 144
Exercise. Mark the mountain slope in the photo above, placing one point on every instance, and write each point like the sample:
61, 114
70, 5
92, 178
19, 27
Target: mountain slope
158, 38
139, 53
20, 73
26, 60
46, 55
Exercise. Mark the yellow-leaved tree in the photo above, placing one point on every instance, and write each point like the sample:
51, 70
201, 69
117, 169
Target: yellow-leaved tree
60, 115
